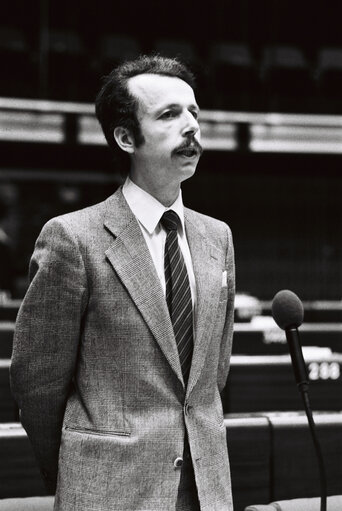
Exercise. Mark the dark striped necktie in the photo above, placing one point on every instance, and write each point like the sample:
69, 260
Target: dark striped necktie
178, 293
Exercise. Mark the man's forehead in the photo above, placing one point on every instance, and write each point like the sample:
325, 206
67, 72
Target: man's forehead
152, 90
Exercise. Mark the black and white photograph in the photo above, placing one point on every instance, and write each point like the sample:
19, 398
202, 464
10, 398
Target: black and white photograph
171, 255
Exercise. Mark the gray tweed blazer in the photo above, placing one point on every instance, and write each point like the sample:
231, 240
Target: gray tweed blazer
96, 372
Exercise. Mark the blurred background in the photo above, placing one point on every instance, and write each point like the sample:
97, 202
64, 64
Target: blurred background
269, 82
269, 76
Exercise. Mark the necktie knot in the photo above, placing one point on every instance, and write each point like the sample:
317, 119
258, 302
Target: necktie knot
170, 220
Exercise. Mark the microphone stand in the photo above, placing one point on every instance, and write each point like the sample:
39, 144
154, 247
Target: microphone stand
303, 387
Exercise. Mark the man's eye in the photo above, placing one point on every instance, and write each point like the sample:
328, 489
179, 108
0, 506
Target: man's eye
168, 115
194, 114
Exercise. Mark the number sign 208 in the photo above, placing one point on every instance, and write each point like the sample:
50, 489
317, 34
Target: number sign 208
324, 371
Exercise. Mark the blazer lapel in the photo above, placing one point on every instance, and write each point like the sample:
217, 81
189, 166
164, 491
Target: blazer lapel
131, 260
207, 265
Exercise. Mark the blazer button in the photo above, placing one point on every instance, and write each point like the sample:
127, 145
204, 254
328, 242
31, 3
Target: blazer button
178, 462
187, 409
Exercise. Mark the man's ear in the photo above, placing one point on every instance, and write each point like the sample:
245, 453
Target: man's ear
124, 139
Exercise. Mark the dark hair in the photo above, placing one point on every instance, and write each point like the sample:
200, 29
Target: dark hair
115, 106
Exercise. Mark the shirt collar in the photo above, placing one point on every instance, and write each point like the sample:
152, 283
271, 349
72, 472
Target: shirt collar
146, 208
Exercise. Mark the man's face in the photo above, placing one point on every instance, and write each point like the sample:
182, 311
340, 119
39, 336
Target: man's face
167, 113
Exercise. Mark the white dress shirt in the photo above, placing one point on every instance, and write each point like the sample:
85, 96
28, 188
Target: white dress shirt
148, 212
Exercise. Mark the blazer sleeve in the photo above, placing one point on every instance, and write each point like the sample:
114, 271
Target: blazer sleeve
227, 336
46, 341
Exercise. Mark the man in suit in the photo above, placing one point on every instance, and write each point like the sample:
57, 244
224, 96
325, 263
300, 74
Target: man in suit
123, 340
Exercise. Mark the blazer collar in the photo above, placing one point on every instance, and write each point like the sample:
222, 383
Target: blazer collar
131, 259
207, 264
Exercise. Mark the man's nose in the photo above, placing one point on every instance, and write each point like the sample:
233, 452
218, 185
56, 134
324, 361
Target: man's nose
191, 126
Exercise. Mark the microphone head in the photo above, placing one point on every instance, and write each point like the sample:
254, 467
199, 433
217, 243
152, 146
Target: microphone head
287, 310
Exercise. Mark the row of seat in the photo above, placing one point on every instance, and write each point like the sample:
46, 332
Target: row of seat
266, 383
271, 457
334, 503
230, 74
263, 337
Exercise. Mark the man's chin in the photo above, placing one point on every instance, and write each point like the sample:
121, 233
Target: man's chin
185, 167
188, 171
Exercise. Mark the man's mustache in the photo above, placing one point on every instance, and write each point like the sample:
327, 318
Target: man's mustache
189, 144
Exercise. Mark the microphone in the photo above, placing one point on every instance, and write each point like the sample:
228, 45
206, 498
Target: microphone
288, 313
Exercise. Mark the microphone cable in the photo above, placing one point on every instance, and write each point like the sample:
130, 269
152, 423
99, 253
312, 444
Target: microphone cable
322, 475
